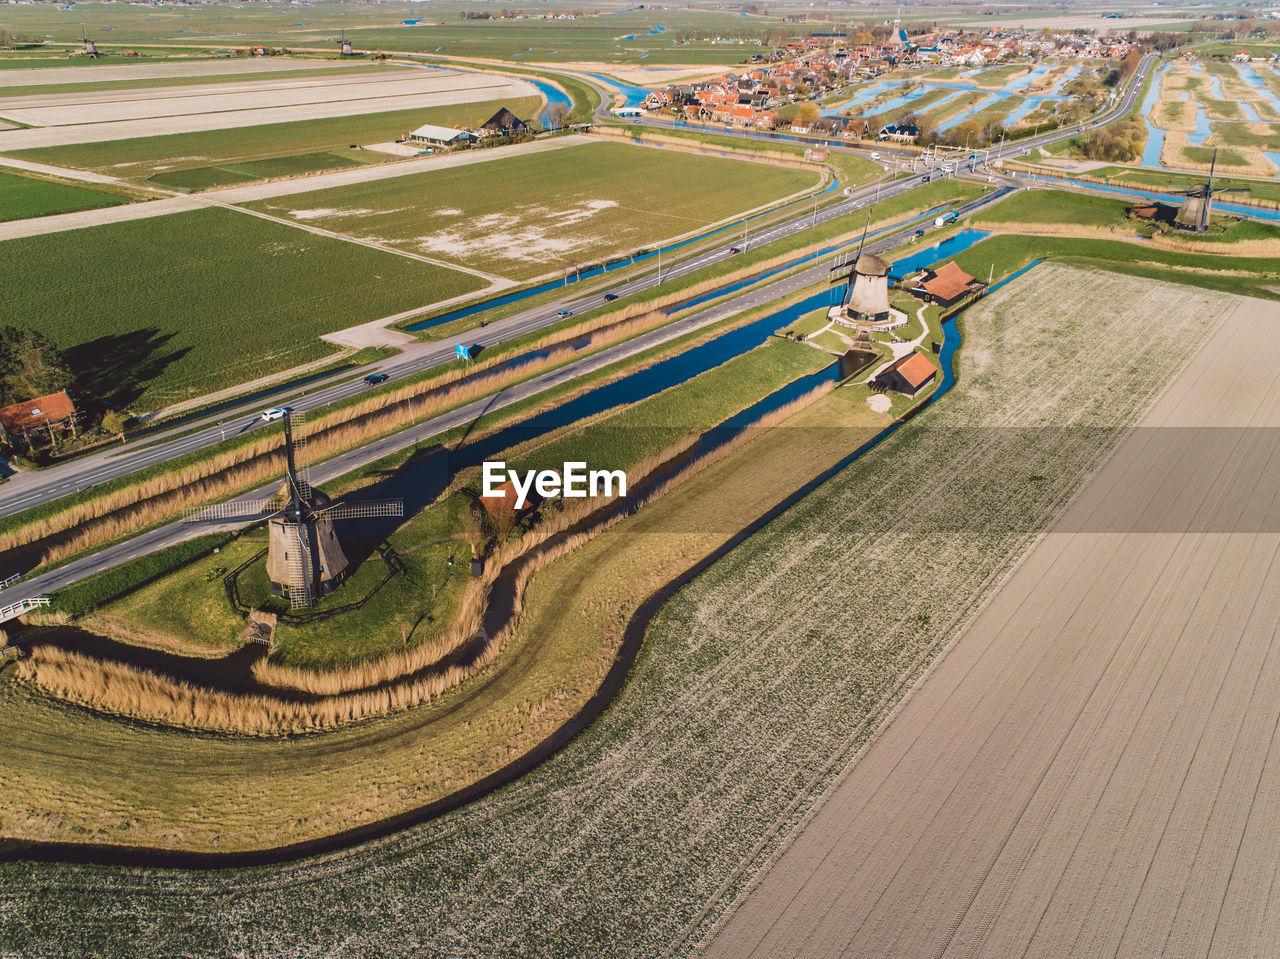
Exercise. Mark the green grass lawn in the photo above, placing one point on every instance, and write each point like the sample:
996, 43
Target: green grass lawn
1007, 253
217, 150
202, 178
155, 311
626, 438
1206, 155
22, 197
525, 216
1055, 206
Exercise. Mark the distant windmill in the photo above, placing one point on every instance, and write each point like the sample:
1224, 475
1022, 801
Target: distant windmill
1196, 208
346, 43
90, 47
304, 558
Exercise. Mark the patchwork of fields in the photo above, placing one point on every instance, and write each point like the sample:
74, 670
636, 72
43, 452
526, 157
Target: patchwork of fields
527, 216
740, 701
212, 158
156, 311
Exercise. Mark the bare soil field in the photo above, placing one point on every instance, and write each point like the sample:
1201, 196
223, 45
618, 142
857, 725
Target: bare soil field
131, 118
1092, 769
109, 100
107, 73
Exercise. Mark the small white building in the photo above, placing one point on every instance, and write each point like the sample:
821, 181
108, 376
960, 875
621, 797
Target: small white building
440, 136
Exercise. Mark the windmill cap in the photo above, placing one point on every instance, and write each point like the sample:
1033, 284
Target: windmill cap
869, 264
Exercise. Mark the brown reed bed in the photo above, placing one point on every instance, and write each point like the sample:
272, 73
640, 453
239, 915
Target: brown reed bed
139, 694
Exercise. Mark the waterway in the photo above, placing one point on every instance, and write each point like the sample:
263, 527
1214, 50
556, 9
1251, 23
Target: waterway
1219, 206
1155, 136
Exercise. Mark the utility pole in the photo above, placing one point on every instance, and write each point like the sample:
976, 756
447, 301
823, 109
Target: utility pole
659, 266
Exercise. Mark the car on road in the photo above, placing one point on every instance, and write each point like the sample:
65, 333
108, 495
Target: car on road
276, 413
565, 314
610, 297
919, 233
735, 250
875, 155
926, 178
373, 379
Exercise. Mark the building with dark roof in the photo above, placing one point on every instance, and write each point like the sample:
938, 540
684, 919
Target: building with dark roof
502, 123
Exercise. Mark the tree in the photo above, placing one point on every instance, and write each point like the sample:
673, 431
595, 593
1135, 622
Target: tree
114, 422
557, 116
30, 365
807, 113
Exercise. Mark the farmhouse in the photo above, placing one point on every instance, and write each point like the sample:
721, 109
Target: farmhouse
440, 136
948, 284
502, 123
24, 424
908, 375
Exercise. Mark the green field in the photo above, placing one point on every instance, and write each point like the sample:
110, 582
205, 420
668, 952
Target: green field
160, 310
1255, 188
216, 157
542, 213
22, 197
1055, 206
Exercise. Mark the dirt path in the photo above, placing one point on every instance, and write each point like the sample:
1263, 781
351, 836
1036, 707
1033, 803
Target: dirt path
1091, 770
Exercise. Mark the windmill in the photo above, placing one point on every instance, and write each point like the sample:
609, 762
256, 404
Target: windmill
304, 557
90, 48
1195, 209
866, 298
346, 43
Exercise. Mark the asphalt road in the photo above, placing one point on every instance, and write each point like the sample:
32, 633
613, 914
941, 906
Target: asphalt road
96, 469
80, 474
321, 473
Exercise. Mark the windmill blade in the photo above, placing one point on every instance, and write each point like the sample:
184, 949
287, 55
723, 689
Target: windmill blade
367, 509
300, 572
234, 510
1212, 163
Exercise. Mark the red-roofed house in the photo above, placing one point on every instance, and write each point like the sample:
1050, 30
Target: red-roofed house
948, 284
908, 375
22, 423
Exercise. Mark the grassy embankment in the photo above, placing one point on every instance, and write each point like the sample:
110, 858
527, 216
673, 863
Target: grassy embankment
526, 216
26, 196
1066, 214
190, 609
131, 303
197, 161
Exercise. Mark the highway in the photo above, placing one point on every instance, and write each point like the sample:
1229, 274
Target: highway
101, 467
33, 489
321, 473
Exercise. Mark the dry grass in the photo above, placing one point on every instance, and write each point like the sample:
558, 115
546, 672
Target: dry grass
371, 688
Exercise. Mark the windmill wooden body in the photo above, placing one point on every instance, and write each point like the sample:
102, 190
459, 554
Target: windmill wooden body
305, 559
865, 305
1196, 208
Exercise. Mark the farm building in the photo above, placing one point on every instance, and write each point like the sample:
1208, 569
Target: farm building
948, 284
504, 504
907, 375
26, 424
440, 136
504, 123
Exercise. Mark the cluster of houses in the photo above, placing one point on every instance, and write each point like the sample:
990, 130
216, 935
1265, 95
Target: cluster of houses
825, 62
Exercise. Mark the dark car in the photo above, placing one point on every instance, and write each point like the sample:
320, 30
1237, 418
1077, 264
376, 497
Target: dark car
610, 297
565, 314
373, 379
734, 249
919, 232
